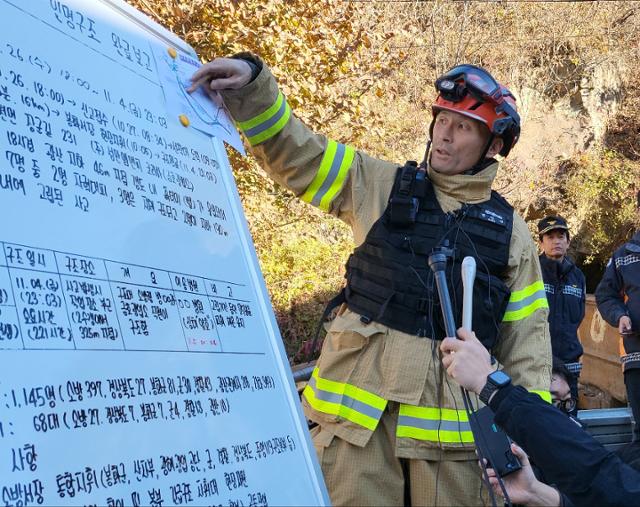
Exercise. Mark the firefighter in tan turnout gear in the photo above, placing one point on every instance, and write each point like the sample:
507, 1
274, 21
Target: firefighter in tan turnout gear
391, 429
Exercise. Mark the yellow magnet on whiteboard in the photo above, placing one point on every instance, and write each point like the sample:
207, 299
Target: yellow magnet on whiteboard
172, 52
184, 120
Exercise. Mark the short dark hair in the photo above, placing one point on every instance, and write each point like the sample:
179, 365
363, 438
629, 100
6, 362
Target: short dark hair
566, 233
558, 368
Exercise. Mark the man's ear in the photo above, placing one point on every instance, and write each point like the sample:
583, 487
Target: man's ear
496, 146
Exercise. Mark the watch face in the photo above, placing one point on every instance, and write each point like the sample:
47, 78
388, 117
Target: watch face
500, 378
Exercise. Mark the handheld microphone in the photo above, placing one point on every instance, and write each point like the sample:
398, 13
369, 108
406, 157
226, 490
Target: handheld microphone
491, 443
468, 279
438, 264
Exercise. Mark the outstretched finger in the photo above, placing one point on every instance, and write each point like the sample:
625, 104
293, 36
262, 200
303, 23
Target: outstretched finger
197, 83
212, 67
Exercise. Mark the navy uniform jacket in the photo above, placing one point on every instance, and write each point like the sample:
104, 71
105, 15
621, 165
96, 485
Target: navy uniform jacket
621, 278
565, 288
569, 457
618, 294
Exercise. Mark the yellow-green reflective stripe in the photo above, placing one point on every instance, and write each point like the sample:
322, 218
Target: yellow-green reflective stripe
526, 311
349, 390
434, 413
344, 400
273, 130
323, 170
265, 115
438, 424
329, 179
449, 437
545, 395
524, 302
340, 410
521, 294
339, 180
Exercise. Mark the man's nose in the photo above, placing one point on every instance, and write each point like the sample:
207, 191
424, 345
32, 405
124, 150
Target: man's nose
447, 134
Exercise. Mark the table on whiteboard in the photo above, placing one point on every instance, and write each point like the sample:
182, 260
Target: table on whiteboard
141, 363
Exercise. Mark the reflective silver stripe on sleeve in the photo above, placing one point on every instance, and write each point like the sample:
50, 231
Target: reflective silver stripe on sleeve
431, 424
267, 124
331, 177
344, 400
514, 306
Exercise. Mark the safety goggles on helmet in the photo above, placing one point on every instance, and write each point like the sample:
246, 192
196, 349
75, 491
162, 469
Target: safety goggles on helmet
479, 83
473, 92
475, 78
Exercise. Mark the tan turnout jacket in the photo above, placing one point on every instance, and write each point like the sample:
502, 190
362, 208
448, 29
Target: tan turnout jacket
365, 369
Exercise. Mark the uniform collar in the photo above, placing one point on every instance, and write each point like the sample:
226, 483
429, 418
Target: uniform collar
467, 188
560, 268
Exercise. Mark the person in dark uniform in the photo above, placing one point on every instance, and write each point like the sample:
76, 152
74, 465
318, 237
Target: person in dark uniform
581, 469
565, 288
618, 300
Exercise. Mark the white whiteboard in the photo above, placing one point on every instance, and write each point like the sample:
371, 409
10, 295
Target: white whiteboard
140, 359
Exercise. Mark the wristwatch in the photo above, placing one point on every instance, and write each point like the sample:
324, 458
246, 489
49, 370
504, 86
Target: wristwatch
495, 380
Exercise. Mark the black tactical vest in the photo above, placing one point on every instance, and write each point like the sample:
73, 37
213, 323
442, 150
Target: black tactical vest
388, 277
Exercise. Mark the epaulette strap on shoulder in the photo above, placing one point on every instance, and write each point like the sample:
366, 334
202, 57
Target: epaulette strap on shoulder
632, 247
495, 195
403, 205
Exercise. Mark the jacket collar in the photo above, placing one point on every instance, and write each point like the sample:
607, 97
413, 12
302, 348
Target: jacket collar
465, 188
633, 246
553, 268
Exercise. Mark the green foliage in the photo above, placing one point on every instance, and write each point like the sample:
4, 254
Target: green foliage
601, 188
302, 273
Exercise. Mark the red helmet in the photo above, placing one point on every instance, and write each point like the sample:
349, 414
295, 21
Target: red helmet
473, 92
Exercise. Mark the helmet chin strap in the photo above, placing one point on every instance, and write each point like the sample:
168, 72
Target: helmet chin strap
425, 159
482, 161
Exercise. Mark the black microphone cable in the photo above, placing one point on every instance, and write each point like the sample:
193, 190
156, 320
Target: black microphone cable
438, 264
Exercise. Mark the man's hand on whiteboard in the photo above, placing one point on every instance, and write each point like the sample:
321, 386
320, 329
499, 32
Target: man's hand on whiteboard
221, 74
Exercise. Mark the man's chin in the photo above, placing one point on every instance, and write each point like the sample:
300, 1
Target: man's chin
440, 168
